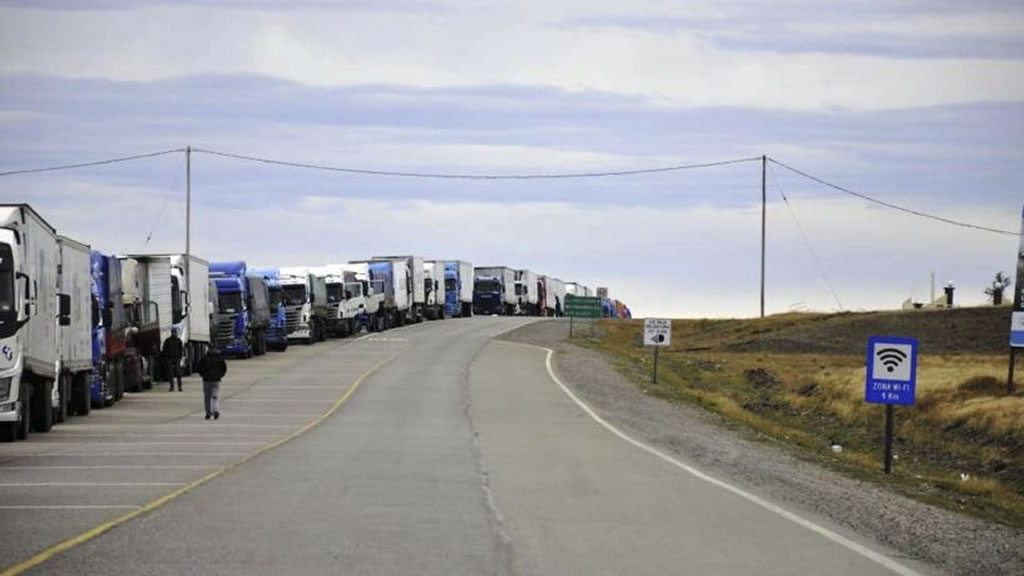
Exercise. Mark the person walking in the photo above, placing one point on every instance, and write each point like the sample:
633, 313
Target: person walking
212, 368
172, 353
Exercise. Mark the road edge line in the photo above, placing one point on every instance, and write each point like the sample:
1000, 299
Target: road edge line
41, 557
843, 541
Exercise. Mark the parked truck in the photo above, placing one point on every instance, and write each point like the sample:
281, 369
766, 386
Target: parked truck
242, 311
393, 277
494, 290
305, 300
554, 296
126, 339
71, 394
417, 288
182, 300
346, 304
434, 286
458, 288
527, 302
376, 314
30, 312
277, 332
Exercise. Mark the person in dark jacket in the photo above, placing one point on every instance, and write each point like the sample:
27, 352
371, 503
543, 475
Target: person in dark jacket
172, 353
212, 368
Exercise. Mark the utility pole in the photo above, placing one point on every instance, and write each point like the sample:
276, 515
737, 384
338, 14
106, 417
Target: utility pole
188, 209
764, 220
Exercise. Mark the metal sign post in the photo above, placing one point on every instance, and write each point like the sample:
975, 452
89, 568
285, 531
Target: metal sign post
891, 379
1017, 316
657, 333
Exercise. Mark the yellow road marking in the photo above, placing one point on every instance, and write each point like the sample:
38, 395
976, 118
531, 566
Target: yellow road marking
163, 500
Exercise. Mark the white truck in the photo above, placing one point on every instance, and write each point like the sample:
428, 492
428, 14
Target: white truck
182, 299
394, 276
527, 299
30, 312
72, 394
373, 294
346, 304
554, 296
304, 296
434, 285
417, 292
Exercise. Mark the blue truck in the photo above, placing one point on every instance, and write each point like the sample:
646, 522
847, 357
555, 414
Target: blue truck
458, 288
494, 290
243, 309
276, 333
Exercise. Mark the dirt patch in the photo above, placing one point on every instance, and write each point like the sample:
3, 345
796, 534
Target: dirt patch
954, 542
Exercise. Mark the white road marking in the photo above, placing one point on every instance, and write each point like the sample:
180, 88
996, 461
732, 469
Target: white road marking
73, 507
793, 517
168, 443
111, 467
91, 484
142, 454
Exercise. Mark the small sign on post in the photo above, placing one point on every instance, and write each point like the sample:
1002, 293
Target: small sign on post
657, 333
891, 379
1017, 316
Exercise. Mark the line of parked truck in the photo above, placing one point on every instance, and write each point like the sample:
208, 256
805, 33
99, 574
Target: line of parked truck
79, 328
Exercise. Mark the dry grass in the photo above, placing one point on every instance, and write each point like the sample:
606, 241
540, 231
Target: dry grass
963, 422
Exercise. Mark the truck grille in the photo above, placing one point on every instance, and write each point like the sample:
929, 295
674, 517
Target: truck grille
291, 319
226, 329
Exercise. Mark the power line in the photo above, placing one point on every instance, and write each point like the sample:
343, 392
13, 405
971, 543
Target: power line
890, 205
89, 164
807, 241
456, 176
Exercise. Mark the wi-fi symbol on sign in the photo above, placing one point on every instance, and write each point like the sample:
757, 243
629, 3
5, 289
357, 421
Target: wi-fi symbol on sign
891, 357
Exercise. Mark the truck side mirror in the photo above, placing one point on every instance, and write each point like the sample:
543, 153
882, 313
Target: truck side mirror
63, 305
348, 294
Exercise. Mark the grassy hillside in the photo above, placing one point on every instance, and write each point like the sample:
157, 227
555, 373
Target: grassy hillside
799, 379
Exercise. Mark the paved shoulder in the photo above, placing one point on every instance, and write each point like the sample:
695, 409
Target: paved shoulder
578, 500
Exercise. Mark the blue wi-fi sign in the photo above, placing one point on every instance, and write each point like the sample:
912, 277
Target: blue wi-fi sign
892, 370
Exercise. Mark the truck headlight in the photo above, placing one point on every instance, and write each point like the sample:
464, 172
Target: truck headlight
5, 388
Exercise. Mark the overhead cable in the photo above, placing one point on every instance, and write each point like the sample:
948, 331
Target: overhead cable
89, 164
890, 205
456, 176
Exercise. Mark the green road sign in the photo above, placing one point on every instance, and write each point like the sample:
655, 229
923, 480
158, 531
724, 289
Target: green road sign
583, 306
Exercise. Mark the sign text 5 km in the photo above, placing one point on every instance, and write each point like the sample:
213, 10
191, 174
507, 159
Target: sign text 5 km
657, 332
892, 370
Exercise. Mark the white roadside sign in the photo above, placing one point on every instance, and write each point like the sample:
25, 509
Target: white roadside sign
657, 332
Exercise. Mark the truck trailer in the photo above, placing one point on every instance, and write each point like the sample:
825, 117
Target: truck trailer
434, 286
554, 295
71, 394
393, 277
527, 295
417, 288
243, 309
458, 288
494, 290
30, 313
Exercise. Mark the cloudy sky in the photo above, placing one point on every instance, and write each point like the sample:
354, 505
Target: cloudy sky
917, 103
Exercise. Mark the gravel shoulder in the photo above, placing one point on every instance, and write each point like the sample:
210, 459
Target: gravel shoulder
955, 543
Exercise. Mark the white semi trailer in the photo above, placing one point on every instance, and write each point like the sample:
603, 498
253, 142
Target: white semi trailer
71, 394
417, 289
434, 285
30, 312
527, 302
182, 299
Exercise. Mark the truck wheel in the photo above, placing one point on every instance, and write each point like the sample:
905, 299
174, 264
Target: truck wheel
117, 380
80, 397
60, 412
44, 407
26, 412
186, 370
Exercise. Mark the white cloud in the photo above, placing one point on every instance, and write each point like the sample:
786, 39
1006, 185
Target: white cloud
514, 43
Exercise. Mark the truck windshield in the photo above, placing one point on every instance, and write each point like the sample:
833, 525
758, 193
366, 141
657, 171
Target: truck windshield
294, 295
275, 297
6, 281
487, 286
335, 293
230, 302
449, 285
520, 290
355, 288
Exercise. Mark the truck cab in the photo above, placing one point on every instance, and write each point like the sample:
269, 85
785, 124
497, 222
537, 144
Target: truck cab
494, 290
276, 334
243, 309
346, 305
304, 296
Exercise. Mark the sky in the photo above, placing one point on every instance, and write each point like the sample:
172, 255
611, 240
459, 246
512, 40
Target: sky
915, 103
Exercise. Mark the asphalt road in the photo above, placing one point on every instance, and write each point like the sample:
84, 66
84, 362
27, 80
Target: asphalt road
458, 456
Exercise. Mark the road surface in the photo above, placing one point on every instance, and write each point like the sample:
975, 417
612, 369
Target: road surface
457, 455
